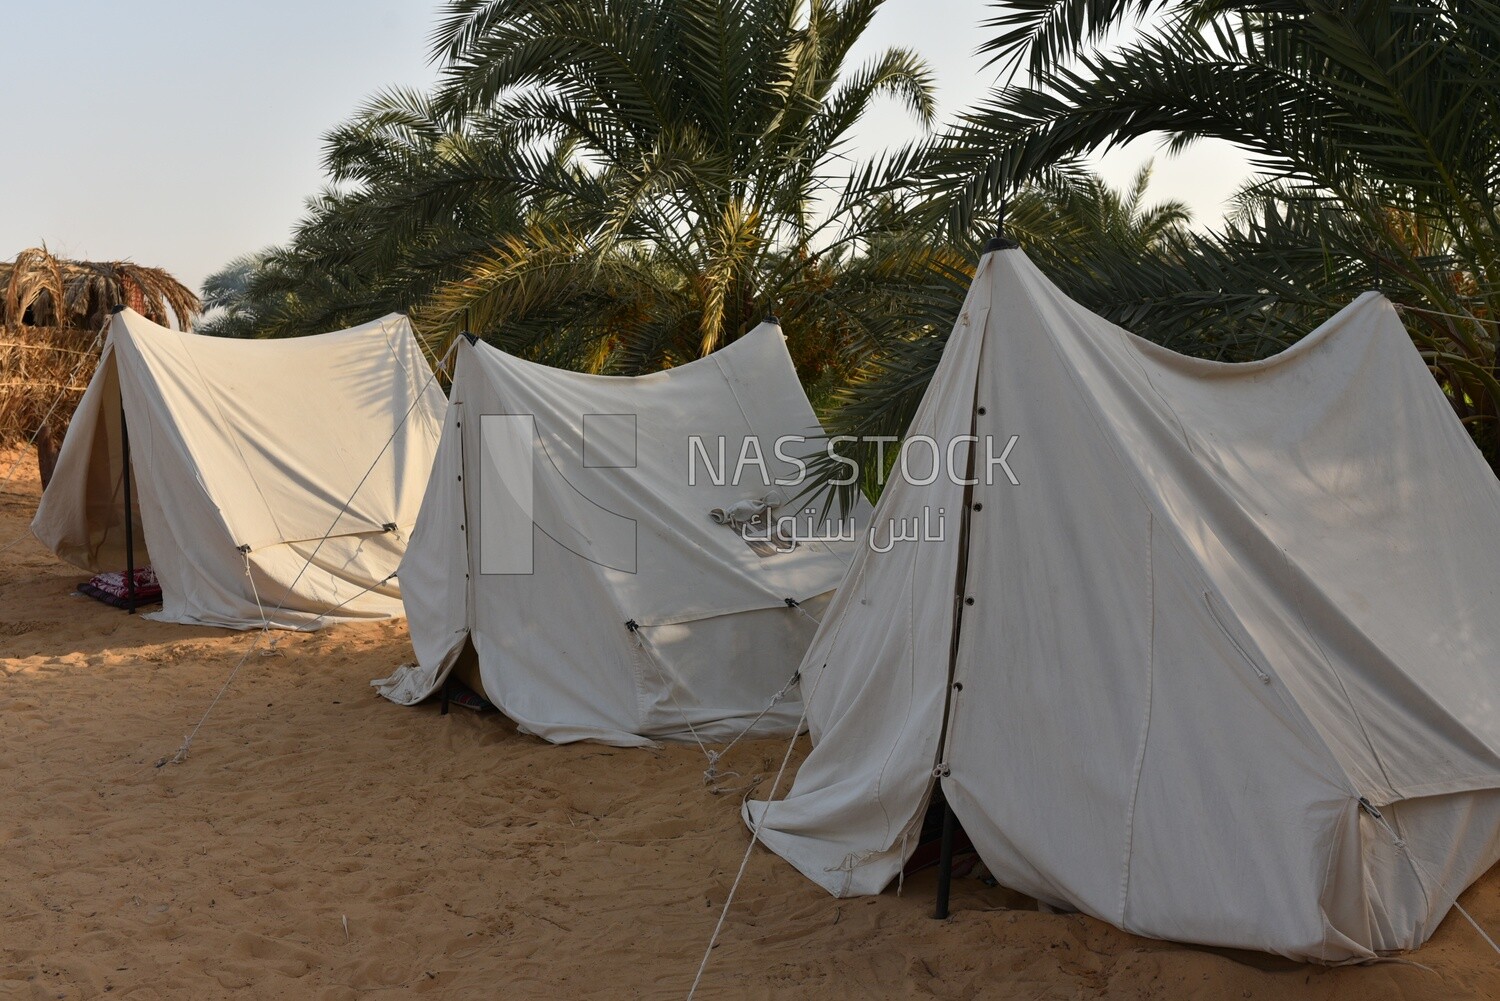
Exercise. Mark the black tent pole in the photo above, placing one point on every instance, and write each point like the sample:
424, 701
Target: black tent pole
129, 501
945, 861
129, 515
960, 599
950, 823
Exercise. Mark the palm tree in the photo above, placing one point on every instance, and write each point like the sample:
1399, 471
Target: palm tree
1375, 126
623, 186
231, 307
1104, 246
412, 199
684, 172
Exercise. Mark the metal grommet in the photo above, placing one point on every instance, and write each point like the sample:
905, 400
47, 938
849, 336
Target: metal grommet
978, 506
982, 411
968, 601
958, 686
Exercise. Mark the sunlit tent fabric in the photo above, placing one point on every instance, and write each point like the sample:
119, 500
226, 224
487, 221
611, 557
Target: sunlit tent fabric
1232, 634
245, 455
567, 539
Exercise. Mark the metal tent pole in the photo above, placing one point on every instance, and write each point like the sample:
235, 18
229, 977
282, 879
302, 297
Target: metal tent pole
129, 501
129, 515
960, 598
945, 862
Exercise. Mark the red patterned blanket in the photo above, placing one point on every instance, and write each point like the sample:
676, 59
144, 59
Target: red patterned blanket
111, 589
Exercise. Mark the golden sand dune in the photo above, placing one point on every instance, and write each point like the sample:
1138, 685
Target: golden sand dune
320, 842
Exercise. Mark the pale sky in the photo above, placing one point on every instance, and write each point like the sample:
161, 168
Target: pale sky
182, 134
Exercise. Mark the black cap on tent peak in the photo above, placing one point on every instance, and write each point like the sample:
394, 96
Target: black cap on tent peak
1000, 241
118, 307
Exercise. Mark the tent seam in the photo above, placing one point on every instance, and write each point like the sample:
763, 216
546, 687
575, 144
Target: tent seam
911, 660
1328, 928
1135, 358
1140, 761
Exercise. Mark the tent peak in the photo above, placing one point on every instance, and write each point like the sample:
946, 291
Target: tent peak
118, 307
1000, 241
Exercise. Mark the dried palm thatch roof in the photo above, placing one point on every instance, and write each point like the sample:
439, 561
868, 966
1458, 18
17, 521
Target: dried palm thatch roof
51, 312
43, 291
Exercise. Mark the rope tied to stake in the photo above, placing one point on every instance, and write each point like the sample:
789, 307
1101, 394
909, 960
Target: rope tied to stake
421, 393
712, 775
796, 606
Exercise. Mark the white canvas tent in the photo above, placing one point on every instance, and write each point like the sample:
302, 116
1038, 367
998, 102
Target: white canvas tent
567, 539
245, 454
1230, 636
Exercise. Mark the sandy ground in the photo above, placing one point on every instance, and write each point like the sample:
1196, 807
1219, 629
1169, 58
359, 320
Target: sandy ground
320, 842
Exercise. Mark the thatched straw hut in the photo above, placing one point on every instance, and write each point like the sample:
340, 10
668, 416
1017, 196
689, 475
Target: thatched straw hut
52, 313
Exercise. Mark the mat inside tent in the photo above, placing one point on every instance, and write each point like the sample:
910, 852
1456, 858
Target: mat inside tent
112, 588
